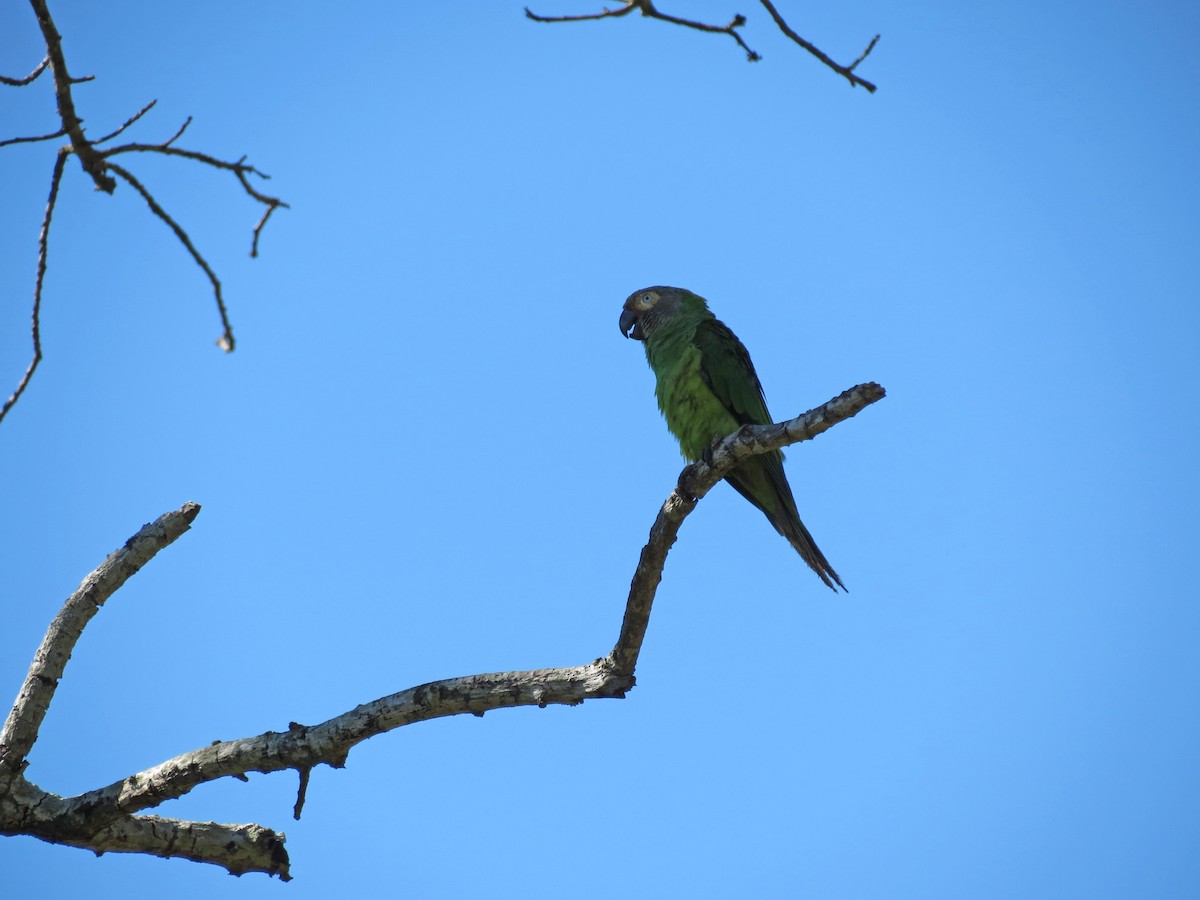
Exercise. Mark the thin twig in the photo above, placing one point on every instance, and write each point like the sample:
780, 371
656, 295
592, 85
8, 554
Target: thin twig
603, 14
167, 150
178, 134
648, 9
40, 137
739, 20
137, 115
864, 54
259, 227
225, 341
28, 79
846, 72
272, 203
60, 163
239, 168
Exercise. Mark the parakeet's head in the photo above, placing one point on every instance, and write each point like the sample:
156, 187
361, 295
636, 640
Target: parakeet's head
649, 308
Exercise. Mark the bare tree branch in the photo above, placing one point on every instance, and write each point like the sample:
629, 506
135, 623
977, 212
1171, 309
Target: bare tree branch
648, 9
29, 140
239, 168
88, 157
78, 822
736, 22
605, 13
225, 341
28, 79
21, 728
236, 848
137, 115
99, 165
109, 818
179, 133
861, 57
60, 163
846, 72
305, 746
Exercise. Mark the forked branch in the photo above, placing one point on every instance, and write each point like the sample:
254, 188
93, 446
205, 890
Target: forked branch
649, 10
97, 162
112, 818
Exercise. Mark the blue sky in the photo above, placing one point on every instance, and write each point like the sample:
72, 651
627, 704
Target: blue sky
432, 454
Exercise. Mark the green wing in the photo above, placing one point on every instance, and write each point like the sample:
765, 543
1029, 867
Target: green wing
726, 368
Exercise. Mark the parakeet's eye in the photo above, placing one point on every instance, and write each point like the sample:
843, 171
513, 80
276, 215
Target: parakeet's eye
647, 300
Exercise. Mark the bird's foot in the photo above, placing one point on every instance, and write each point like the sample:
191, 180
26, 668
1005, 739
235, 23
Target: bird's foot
685, 478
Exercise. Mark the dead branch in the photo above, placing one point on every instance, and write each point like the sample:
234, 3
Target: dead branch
88, 158
846, 72
98, 163
605, 13
240, 168
21, 728
124, 125
225, 341
111, 818
37, 137
649, 10
28, 79
60, 163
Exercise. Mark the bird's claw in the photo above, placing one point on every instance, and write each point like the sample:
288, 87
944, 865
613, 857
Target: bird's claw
681, 485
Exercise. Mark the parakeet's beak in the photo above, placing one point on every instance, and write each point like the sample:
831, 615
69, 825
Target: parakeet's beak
630, 327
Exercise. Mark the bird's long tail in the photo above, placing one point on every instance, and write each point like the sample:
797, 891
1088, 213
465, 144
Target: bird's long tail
761, 481
797, 535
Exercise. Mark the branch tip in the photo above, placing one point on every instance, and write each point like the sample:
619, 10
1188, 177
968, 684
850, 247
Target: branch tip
845, 71
24, 722
30, 78
128, 122
225, 341
304, 772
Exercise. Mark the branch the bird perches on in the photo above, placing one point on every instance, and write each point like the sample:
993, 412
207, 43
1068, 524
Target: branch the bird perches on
111, 819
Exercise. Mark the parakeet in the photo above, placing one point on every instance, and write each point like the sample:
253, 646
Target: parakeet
707, 388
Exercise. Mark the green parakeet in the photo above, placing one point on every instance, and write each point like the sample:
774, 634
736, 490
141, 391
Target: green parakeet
707, 388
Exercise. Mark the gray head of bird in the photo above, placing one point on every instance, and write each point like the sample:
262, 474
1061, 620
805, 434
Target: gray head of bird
648, 308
